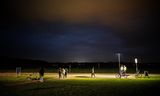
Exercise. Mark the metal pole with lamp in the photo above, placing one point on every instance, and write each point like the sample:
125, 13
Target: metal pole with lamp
136, 61
119, 60
119, 63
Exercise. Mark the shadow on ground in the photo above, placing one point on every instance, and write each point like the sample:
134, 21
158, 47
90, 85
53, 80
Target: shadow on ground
83, 76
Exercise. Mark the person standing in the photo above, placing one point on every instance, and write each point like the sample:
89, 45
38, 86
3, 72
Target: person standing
92, 73
121, 70
63, 73
41, 73
60, 72
66, 72
124, 69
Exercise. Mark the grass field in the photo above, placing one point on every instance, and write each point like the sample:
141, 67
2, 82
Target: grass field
79, 84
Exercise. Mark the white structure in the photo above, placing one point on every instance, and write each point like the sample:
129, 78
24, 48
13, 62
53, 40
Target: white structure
136, 61
119, 60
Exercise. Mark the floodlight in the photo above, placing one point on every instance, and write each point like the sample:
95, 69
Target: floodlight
136, 60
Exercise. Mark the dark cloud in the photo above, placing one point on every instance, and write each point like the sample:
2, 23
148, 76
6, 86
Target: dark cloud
82, 29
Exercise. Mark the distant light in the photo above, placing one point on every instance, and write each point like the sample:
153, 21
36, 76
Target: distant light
136, 60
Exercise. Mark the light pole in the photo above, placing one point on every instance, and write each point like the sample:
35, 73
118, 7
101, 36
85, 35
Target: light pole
119, 60
136, 61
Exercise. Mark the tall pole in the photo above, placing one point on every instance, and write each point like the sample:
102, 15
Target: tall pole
136, 61
119, 60
98, 65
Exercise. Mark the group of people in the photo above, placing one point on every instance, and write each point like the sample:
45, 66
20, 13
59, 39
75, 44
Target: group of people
35, 76
123, 70
63, 72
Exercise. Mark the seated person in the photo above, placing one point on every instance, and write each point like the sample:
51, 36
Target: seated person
29, 77
146, 74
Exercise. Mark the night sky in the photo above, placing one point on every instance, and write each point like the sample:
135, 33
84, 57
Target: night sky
80, 30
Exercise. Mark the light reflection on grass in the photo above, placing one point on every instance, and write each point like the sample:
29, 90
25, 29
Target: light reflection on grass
80, 86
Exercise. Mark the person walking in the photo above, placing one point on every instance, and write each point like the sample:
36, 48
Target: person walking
92, 73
